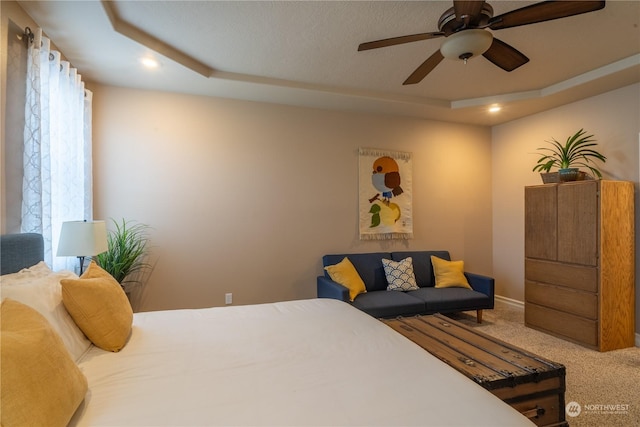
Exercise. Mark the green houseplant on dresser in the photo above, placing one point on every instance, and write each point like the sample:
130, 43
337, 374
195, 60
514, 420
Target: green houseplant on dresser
577, 151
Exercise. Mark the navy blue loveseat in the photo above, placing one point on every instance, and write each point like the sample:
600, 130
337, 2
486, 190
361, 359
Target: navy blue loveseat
379, 302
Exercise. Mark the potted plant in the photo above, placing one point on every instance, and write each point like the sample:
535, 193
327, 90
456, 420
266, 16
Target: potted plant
126, 253
568, 157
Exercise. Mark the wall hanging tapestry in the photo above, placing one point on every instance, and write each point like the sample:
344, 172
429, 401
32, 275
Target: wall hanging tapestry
385, 194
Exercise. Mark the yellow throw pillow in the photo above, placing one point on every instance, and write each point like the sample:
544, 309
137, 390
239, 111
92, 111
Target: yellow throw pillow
99, 306
449, 274
41, 384
94, 271
346, 274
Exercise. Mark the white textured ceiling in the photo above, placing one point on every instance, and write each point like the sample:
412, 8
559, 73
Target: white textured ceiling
305, 53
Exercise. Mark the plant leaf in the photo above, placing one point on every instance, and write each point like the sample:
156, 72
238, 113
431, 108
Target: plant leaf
375, 220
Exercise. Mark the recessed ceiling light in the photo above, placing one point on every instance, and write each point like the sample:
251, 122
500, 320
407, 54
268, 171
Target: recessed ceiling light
494, 108
149, 62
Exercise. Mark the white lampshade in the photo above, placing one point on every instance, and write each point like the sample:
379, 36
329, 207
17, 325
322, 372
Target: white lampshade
82, 238
466, 44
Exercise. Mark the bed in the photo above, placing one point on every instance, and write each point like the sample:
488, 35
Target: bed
307, 362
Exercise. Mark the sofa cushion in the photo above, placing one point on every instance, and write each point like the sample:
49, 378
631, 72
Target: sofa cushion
368, 266
345, 274
422, 268
451, 299
400, 275
389, 304
449, 274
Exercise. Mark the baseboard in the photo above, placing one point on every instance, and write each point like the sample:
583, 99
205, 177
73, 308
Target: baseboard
509, 301
520, 305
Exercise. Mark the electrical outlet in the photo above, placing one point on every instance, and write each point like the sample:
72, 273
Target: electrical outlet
228, 298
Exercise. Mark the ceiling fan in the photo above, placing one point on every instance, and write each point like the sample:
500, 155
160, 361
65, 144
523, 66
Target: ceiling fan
464, 27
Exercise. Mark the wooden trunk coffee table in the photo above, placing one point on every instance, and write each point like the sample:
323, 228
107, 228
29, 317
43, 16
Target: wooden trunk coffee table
531, 384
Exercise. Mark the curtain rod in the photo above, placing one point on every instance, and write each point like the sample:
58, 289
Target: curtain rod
28, 36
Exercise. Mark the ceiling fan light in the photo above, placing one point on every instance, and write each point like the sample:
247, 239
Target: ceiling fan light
466, 44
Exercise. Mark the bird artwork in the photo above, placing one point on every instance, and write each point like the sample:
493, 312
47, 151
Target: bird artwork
385, 194
386, 179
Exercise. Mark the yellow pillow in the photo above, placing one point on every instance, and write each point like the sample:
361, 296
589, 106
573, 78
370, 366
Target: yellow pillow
449, 274
100, 308
41, 384
346, 274
94, 271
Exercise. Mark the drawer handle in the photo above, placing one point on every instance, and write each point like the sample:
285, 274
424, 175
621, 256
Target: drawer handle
534, 413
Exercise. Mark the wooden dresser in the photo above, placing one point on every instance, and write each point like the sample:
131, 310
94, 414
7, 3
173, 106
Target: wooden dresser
580, 262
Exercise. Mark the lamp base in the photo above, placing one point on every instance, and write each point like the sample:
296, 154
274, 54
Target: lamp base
81, 259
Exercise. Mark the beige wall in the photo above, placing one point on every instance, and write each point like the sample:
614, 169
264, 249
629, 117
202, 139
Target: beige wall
613, 118
246, 197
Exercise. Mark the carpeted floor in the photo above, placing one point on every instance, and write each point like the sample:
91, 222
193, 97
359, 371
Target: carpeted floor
605, 385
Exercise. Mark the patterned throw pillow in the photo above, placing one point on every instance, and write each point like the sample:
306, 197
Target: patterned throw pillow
400, 275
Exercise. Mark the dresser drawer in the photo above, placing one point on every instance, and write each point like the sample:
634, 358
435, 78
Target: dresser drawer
584, 304
569, 275
564, 324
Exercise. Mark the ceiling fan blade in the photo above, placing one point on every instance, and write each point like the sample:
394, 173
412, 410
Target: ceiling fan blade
425, 68
470, 8
399, 40
543, 11
505, 56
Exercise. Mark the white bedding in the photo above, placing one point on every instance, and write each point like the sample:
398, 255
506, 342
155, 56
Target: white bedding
310, 362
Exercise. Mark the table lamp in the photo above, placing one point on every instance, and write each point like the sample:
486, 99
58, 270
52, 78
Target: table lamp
82, 239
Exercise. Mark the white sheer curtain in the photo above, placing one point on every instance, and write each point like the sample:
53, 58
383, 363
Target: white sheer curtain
57, 184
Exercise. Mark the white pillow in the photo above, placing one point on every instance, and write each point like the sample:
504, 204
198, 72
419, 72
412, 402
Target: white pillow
44, 294
26, 275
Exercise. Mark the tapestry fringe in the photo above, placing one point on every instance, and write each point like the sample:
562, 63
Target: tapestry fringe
386, 236
400, 155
